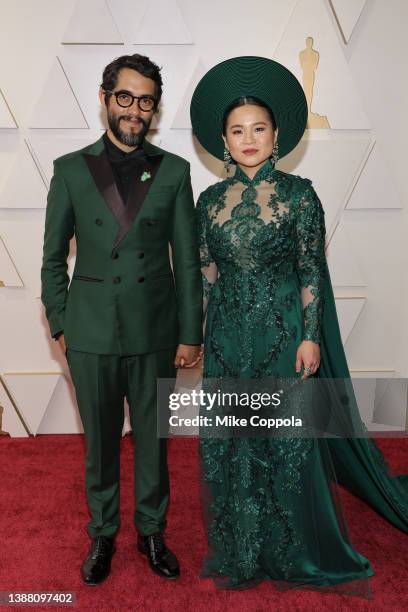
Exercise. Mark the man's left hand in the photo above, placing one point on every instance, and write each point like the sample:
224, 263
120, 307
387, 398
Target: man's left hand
188, 356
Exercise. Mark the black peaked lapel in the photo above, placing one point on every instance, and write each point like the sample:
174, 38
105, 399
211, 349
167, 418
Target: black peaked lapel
101, 171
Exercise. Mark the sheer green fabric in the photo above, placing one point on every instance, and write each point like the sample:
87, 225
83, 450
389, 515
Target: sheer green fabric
271, 504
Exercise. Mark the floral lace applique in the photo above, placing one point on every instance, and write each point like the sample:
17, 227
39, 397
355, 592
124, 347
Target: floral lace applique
262, 257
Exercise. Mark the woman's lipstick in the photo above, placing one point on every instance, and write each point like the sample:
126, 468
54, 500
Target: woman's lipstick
250, 151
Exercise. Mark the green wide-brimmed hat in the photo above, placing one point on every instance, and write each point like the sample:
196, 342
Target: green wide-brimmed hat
260, 77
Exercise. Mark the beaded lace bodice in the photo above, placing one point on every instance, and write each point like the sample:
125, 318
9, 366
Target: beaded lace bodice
267, 228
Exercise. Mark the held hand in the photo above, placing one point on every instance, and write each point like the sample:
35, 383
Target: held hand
308, 355
188, 356
61, 342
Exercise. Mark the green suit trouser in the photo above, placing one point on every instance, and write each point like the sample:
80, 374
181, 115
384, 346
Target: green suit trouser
101, 383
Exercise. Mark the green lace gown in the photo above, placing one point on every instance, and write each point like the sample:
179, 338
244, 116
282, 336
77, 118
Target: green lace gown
272, 506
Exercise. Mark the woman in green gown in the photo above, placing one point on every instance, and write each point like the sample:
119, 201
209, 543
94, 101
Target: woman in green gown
272, 504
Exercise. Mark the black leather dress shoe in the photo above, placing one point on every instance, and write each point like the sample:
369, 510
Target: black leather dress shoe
96, 566
162, 561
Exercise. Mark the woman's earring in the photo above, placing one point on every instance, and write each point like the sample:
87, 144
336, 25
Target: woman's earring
227, 158
275, 152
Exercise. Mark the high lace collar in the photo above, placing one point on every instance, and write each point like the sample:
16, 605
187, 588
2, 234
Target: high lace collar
263, 173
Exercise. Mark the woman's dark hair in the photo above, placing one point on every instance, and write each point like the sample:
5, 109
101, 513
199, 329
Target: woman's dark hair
137, 62
242, 101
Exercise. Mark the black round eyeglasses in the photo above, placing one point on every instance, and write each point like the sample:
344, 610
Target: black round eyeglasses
126, 99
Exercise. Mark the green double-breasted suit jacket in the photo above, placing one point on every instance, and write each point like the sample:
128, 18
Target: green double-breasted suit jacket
124, 297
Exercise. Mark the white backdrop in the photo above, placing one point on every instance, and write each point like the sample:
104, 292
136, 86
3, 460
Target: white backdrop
52, 53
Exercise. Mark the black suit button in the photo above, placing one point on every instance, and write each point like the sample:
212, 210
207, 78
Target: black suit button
98, 221
117, 280
141, 279
141, 255
115, 255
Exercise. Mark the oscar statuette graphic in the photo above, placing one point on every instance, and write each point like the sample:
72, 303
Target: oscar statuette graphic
2, 433
309, 60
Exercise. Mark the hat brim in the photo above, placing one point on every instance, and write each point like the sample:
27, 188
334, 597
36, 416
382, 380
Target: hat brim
255, 76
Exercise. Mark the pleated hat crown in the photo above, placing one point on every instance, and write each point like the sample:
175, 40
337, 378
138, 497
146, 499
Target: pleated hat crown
245, 76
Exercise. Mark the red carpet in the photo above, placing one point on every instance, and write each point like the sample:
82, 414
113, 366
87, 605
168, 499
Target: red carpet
43, 539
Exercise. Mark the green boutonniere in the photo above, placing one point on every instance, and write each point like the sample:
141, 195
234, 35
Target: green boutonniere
145, 176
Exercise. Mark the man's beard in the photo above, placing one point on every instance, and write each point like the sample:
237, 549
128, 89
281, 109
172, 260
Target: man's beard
130, 139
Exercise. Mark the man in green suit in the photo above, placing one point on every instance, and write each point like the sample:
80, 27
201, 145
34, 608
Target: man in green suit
127, 317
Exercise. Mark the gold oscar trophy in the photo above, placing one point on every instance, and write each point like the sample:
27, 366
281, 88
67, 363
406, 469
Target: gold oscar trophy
309, 60
2, 433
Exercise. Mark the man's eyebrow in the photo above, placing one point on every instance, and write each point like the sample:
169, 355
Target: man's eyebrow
143, 95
